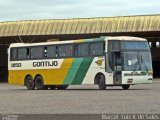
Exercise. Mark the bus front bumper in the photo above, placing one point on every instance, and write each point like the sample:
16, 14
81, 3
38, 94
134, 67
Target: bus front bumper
136, 78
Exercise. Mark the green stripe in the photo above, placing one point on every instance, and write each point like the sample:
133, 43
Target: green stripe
73, 70
85, 64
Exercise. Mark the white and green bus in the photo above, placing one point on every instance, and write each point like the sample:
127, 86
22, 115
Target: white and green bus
105, 61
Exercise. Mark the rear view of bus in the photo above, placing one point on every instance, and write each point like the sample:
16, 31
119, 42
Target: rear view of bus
128, 59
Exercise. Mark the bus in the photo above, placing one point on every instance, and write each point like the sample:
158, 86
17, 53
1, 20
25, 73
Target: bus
105, 61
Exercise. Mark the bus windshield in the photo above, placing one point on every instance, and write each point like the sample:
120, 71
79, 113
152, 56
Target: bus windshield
137, 61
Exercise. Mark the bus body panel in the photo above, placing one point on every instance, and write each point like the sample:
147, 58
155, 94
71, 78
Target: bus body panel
69, 71
98, 66
138, 77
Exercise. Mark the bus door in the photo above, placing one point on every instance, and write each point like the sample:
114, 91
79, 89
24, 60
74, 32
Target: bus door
117, 64
114, 61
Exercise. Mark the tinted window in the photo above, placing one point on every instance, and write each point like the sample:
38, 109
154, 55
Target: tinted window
13, 54
114, 45
97, 49
61, 51
134, 45
82, 50
69, 50
110, 61
65, 51
22, 53
36, 52
50, 51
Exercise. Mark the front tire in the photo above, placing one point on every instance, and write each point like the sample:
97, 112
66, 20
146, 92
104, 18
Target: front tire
39, 83
101, 82
29, 82
125, 87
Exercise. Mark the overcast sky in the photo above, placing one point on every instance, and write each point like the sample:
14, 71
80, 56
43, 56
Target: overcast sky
11, 10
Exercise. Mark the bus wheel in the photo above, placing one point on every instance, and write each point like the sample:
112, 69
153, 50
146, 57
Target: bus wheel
29, 82
62, 87
125, 87
101, 82
40, 84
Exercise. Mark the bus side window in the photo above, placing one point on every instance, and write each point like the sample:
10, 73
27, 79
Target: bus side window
13, 54
22, 53
61, 51
65, 51
36, 52
69, 50
83, 49
97, 49
51, 52
76, 50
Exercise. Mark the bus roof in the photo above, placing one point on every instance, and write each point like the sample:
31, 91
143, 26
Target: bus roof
127, 38
103, 38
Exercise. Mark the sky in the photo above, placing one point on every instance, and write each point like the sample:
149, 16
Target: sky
15, 10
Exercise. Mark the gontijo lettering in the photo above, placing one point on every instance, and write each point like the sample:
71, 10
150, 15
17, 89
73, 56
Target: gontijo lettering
45, 63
